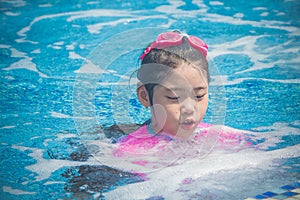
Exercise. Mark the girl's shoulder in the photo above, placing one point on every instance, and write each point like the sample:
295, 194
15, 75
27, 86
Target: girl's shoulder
222, 130
140, 133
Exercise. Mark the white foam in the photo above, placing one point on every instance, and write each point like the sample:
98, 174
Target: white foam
15, 3
66, 135
70, 47
59, 43
45, 5
82, 46
61, 115
216, 3
36, 51
7, 127
173, 9
222, 163
45, 167
247, 45
74, 15
4, 46
23, 40
17, 54
53, 182
239, 15
196, 168
98, 13
273, 134
114, 83
264, 14
280, 14
12, 13
95, 28
54, 47
73, 55
13, 191
35, 137
260, 8
92, 2
220, 80
89, 67
25, 63
280, 25
9, 78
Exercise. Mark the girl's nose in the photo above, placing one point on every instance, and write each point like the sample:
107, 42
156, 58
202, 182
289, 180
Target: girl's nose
188, 106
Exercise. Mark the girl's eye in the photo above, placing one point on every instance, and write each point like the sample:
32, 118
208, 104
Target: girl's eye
200, 97
172, 98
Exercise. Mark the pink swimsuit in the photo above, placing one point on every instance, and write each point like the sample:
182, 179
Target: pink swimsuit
144, 139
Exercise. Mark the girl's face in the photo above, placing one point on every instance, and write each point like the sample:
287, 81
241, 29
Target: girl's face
180, 103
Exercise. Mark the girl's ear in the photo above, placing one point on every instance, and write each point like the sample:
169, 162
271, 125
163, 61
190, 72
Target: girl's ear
143, 95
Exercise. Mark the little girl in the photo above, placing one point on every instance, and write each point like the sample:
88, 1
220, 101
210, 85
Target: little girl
173, 83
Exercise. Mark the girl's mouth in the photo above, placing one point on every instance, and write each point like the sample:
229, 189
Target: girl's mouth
188, 124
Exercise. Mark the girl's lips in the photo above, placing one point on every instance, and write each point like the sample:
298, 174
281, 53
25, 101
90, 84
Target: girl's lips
188, 124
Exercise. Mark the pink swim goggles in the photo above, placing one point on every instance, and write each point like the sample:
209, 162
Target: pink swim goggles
168, 39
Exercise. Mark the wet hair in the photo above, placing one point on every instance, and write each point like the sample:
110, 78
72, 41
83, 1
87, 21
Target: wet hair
152, 70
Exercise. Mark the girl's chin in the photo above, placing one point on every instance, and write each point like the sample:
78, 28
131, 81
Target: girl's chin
182, 133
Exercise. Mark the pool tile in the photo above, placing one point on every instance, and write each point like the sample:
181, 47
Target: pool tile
286, 192
296, 184
288, 187
269, 194
280, 196
278, 191
260, 196
289, 194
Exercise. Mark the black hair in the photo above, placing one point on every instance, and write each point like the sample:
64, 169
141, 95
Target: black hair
172, 57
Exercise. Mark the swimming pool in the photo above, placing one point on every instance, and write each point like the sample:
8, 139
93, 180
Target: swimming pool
55, 102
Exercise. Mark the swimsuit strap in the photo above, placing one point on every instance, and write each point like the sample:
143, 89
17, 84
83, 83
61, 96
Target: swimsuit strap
149, 127
152, 132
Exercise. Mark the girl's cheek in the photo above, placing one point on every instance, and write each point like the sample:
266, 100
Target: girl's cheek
204, 109
173, 111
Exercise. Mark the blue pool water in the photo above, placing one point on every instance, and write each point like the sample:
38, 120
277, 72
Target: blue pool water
65, 69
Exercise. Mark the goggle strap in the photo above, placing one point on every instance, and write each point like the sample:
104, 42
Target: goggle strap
160, 43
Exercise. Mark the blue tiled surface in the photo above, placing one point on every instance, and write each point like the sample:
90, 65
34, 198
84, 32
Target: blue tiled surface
278, 191
260, 196
269, 194
290, 194
297, 184
288, 187
287, 191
